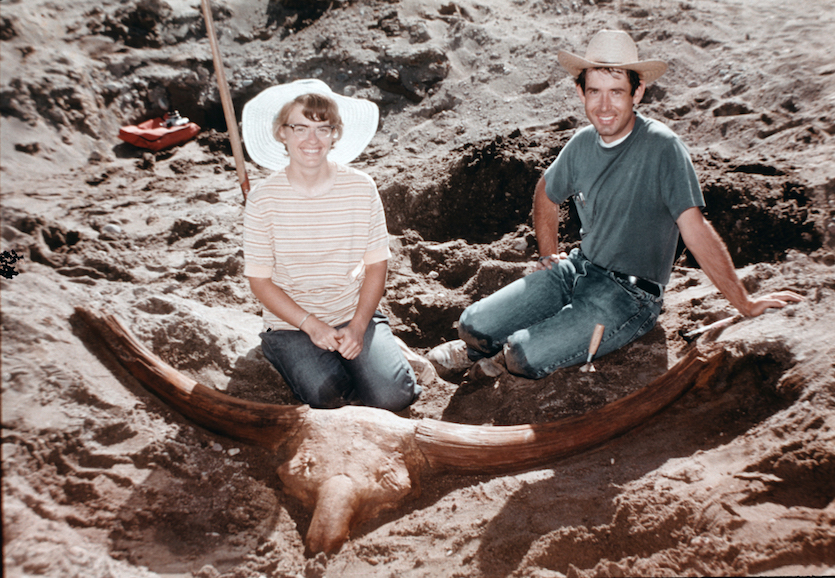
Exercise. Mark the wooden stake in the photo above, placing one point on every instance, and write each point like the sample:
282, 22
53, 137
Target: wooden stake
226, 101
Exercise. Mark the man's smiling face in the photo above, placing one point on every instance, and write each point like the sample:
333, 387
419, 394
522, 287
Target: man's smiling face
608, 102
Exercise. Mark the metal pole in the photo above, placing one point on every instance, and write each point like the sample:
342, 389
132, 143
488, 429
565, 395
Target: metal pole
226, 101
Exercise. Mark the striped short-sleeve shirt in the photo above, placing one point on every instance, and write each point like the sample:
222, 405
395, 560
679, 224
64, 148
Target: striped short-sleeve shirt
315, 248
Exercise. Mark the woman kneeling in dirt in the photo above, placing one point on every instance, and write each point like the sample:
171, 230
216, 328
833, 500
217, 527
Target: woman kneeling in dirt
316, 250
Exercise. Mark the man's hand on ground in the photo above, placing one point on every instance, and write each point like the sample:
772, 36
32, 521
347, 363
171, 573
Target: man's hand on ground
777, 300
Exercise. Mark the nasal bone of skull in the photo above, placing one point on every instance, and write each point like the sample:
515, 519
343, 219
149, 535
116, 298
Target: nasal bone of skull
335, 508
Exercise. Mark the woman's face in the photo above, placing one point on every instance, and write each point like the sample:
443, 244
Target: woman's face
306, 143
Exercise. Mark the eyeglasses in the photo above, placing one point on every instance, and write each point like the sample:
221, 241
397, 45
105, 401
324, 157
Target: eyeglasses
303, 130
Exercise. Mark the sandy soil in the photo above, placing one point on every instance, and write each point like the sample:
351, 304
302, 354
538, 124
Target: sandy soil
101, 479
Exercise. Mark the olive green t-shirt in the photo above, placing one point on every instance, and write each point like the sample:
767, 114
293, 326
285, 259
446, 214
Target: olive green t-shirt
628, 196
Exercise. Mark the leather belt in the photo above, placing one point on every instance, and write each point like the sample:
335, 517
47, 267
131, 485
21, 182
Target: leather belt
648, 286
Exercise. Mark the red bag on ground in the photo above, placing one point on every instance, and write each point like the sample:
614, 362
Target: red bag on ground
158, 133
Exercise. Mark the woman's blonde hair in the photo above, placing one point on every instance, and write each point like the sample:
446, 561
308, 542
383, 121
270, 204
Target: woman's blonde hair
315, 107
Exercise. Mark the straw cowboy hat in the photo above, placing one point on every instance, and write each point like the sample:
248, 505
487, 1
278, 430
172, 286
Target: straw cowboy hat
612, 49
359, 117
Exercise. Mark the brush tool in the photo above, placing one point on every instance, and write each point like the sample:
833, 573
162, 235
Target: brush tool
716, 326
596, 336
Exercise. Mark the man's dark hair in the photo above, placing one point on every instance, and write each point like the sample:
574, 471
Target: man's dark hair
634, 78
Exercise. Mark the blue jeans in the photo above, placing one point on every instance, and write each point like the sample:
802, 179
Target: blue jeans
545, 321
379, 376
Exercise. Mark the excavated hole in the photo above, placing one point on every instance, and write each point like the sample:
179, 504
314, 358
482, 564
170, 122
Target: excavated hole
745, 391
761, 217
483, 193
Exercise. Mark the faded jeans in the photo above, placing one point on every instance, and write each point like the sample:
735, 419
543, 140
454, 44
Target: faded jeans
545, 320
379, 376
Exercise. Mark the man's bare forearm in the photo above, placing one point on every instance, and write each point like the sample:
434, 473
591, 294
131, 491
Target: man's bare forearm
546, 221
715, 260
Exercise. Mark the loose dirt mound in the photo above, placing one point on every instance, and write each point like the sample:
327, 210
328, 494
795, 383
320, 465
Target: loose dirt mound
101, 479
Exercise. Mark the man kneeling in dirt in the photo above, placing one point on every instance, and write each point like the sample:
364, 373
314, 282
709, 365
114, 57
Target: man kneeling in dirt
635, 189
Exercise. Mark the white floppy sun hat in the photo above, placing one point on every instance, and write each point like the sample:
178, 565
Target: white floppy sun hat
359, 117
612, 49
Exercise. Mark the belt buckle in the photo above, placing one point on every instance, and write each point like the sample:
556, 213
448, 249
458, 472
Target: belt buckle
643, 284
